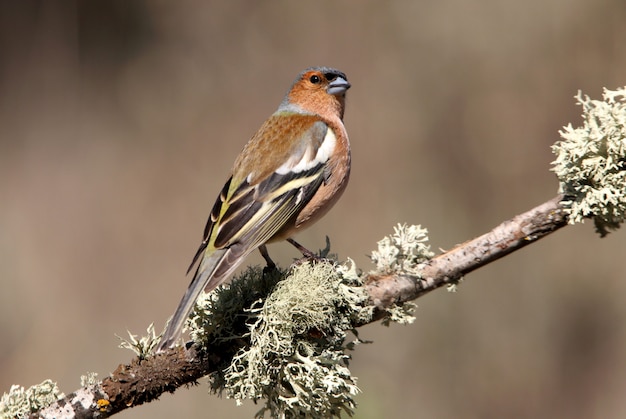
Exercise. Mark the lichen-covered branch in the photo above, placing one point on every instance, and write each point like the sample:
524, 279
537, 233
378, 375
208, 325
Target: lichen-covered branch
145, 380
449, 267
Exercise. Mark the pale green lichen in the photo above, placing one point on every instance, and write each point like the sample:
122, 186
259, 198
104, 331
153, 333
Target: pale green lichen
223, 314
89, 379
297, 359
20, 402
295, 324
400, 313
591, 162
402, 252
454, 287
142, 347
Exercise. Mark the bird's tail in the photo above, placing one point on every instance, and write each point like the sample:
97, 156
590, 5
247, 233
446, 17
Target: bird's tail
213, 270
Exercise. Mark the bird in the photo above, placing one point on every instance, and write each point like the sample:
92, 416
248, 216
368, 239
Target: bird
288, 175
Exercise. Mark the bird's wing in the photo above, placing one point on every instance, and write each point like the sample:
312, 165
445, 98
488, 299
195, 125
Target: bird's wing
248, 213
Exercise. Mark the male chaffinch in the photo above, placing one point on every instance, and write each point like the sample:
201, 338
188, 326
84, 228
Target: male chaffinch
288, 176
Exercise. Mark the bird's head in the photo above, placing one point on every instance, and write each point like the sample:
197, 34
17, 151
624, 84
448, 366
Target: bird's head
318, 90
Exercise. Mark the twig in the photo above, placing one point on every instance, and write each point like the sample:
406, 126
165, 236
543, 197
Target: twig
449, 267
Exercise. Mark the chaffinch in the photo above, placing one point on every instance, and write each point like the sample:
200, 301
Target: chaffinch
290, 173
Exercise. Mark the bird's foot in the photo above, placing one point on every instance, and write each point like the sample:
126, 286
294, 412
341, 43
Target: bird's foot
309, 256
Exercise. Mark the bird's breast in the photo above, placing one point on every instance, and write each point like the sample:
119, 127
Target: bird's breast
337, 145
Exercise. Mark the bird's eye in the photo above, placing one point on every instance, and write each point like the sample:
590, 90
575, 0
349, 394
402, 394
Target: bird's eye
315, 79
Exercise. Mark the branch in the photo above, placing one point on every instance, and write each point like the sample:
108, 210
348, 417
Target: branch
144, 380
449, 267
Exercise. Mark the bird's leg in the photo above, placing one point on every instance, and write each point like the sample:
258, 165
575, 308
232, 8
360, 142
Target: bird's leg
305, 252
268, 260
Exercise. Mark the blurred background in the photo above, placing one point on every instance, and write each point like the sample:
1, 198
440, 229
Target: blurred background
119, 121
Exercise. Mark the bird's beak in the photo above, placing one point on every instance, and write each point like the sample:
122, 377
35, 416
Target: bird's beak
338, 86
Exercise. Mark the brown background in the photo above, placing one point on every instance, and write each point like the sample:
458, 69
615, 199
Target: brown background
119, 122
